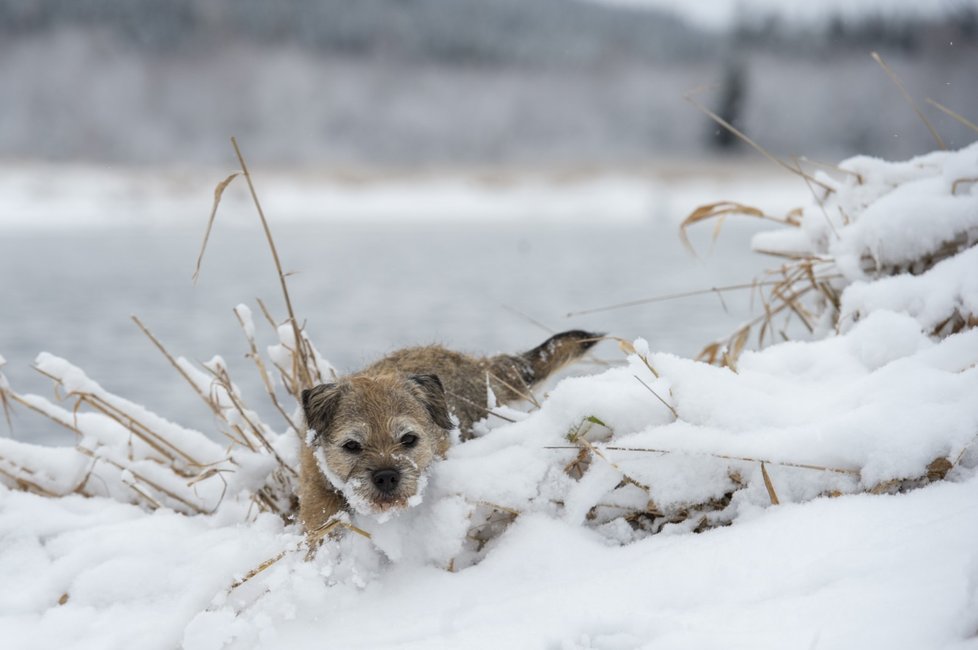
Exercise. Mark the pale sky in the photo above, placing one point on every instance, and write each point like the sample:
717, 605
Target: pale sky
719, 13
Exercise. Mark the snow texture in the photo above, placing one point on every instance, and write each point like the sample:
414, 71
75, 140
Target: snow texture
915, 221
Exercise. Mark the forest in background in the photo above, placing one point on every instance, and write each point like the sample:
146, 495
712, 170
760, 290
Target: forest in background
461, 82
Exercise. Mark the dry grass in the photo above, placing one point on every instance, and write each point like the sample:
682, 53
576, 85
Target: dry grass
156, 470
807, 284
909, 99
799, 292
721, 210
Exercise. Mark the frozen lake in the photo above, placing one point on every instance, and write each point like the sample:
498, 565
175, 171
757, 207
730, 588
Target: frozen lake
364, 288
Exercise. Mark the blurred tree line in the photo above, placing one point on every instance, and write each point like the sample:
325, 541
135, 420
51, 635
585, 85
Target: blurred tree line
460, 81
471, 32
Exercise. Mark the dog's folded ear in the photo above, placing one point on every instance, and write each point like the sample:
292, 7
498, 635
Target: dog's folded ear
430, 391
319, 404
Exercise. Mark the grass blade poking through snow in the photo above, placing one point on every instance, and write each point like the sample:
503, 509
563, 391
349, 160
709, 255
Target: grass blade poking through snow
754, 145
300, 351
906, 95
218, 193
769, 486
4, 386
658, 397
720, 210
947, 111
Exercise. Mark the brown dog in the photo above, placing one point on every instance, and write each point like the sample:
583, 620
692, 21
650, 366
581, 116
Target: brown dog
371, 436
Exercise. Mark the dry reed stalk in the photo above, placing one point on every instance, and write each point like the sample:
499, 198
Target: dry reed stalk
485, 409
947, 111
302, 374
244, 429
258, 569
498, 519
316, 536
173, 362
957, 459
672, 296
23, 402
4, 387
290, 376
786, 293
584, 442
798, 280
658, 397
267, 314
720, 210
303, 360
156, 440
820, 202
218, 193
529, 319
524, 392
764, 152
584, 427
962, 181
906, 95
628, 347
5, 403
195, 508
255, 356
769, 486
577, 467
141, 493
137, 429
153, 439
746, 459
529, 391
20, 478
223, 380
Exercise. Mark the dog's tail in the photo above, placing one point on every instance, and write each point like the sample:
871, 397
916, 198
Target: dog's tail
533, 366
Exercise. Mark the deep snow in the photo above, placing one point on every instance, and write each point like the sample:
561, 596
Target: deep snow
859, 571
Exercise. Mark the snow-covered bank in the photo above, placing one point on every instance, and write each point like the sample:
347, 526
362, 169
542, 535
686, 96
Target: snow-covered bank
854, 572
42, 196
832, 483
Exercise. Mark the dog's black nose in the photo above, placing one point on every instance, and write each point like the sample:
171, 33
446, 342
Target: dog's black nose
386, 480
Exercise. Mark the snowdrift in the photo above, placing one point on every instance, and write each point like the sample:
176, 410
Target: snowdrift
569, 523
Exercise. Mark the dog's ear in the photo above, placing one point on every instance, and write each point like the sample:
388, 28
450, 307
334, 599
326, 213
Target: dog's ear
319, 404
429, 389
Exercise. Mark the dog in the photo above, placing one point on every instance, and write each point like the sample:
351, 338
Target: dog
370, 437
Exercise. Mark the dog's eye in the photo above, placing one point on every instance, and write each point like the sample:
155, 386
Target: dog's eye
409, 440
353, 446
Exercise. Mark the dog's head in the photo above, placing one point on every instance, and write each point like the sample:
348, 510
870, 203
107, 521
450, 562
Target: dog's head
373, 437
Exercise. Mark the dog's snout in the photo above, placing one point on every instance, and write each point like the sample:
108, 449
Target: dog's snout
386, 480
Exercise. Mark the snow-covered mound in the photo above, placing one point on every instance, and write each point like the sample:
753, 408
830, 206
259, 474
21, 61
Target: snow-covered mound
863, 571
914, 222
571, 524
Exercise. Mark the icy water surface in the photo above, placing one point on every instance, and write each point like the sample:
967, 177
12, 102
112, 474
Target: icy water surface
362, 289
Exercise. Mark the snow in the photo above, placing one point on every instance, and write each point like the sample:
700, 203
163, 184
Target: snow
886, 214
861, 571
40, 197
930, 298
822, 493
247, 322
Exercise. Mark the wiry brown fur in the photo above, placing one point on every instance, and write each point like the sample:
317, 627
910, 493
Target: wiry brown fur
411, 392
